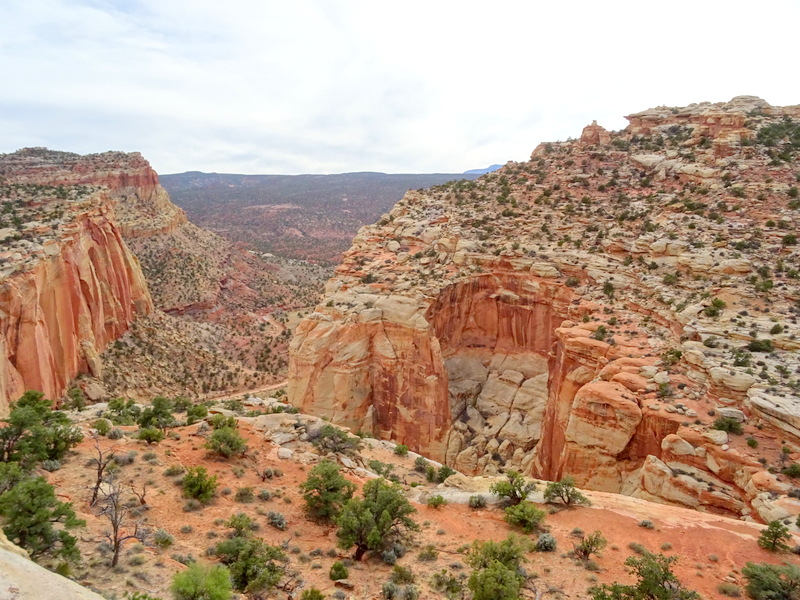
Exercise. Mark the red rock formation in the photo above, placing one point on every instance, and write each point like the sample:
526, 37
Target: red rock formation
59, 314
70, 285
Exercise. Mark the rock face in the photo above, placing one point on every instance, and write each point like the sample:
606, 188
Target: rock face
583, 313
69, 282
23, 579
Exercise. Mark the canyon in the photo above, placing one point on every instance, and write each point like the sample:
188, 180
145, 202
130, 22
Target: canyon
605, 310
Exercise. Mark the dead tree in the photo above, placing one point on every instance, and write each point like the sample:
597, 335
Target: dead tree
138, 494
100, 462
113, 508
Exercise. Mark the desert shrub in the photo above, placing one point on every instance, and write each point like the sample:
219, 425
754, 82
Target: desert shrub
588, 545
333, 439
526, 516
241, 524
752, 442
546, 543
102, 426
647, 524
116, 434
401, 450
219, 421
793, 470
760, 346
202, 582
51, 465
564, 491
728, 424
173, 471
655, 581
163, 539
428, 554
338, 571
495, 582
312, 594
420, 464
199, 485
402, 575
277, 520
477, 501
729, 589
150, 435
244, 495
514, 490
226, 442
436, 501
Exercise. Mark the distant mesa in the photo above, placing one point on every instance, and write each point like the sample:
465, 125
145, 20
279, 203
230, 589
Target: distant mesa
488, 169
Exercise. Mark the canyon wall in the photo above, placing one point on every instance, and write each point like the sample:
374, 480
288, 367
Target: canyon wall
590, 313
69, 284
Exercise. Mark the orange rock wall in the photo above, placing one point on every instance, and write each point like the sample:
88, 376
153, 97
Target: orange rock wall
60, 313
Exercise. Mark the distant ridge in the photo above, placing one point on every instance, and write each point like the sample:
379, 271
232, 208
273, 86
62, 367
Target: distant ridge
482, 171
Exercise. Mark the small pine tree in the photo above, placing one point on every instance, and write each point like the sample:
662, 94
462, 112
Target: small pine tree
514, 490
774, 536
226, 442
564, 491
326, 491
198, 484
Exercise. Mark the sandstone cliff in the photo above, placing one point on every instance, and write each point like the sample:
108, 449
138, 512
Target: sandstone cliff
69, 284
590, 312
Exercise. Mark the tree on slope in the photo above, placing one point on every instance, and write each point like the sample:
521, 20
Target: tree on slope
374, 522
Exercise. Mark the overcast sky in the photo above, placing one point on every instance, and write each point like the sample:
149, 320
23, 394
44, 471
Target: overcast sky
329, 86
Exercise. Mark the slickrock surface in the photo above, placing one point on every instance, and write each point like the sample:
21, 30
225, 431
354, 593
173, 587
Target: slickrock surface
589, 312
68, 282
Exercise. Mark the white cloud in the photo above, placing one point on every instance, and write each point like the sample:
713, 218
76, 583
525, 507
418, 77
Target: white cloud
319, 86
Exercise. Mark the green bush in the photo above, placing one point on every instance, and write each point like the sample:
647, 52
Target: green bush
312, 594
163, 539
772, 582
477, 501
241, 524
226, 442
202, 582
34, 432
29, 510
428, 554
514, 490
793, 470
590, 544
326, 491
728, 424
375, 522
760, 346
277, 520
526, 516
245, 495
338, 571
655, 581
436, 501
150, 435
199, 485
102, 426
546, 543
564, 491
401, 450
333, 439
255, 566
218, 421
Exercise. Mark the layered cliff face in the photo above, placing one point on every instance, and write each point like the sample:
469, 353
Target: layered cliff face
591, 312
69, 283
